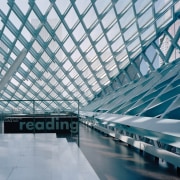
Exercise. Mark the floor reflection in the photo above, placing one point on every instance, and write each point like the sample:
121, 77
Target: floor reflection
115, 160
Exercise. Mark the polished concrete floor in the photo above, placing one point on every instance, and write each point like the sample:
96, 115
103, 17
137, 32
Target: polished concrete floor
42, 157
115, 161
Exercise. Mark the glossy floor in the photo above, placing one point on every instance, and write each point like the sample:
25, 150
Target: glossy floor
115, 161
42, 157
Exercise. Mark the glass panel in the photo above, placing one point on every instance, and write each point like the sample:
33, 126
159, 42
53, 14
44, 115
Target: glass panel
32, 75
165, 19
89, 94
11, 89
107, 56
148, 33
81, 64
90, 55
53, 66
117, 44
22, 88
105, 81
61, 32
44, 34
15, 82
23, 66
34, 20
19, 75
71, 88
131, 32
87, 74
53, 81
100, 74
127, 17
23, 5
96, 65
114, 72
122, 55
15, 20
109, 18
136, 51
35, 88
47, 88
76, 56
62, 5
37, 46
73, 74
67, 65
52, 18
121, 5
9, 34
71, 18
79, 81
85, 44
110, 65
42, 6
79, 32
101, 44
113, 32
124, 62
102, 5
13, 56
45, 57
97, 31
27, 35
60, 55
177, 7
39, 67
53, 45
69, 44
19, 95
134, 44
82, 6
19, 45
90, 18
3, 46
5, 6
145, 18
141, 5
96, 87
160, 5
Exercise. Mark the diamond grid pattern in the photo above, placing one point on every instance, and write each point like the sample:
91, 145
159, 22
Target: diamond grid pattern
74, 49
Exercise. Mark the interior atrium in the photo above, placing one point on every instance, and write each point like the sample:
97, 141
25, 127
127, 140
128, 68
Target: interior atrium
115, 63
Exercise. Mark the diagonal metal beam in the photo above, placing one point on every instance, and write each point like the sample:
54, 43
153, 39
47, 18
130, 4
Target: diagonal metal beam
13, 68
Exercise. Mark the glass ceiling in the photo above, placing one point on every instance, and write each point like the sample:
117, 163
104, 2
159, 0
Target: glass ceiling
73, 49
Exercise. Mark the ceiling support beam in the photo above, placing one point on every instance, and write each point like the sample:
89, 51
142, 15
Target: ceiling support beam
13, 68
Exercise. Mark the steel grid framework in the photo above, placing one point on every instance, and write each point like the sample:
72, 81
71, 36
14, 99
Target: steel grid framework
79, 50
